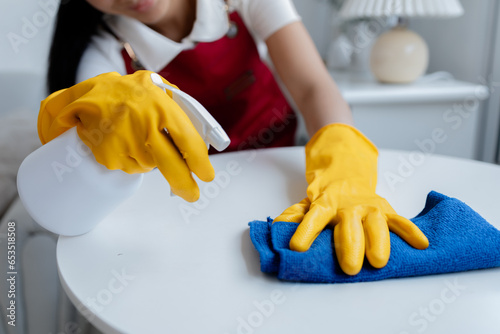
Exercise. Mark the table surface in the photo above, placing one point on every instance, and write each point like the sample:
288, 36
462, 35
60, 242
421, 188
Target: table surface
160, 265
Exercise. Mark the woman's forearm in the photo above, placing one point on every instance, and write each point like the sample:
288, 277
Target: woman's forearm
304, 74
323, 104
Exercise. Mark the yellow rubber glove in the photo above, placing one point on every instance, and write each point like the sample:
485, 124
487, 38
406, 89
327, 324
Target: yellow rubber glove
341, 170
122, 120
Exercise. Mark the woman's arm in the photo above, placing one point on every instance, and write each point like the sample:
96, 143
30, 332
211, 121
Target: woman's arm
341, 165
304, 74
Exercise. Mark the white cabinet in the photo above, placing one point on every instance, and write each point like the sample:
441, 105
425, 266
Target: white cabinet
439, 116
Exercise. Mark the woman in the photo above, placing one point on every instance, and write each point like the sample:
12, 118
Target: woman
214, 51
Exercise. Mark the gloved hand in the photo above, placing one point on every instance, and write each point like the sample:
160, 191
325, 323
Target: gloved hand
341, 170
122, 120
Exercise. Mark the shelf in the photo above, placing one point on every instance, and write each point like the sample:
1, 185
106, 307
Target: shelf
362, 89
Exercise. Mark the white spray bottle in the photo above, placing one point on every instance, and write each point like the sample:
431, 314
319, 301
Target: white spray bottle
68, 192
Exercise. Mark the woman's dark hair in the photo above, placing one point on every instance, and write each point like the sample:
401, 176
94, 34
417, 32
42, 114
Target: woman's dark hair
76, 23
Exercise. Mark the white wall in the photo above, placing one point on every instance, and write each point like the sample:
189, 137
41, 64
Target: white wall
317, 16
25, 30
492, 119
464, 47
461, 45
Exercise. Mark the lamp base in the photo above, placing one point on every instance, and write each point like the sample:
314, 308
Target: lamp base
399, 56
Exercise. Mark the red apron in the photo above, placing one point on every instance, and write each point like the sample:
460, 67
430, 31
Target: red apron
231, 81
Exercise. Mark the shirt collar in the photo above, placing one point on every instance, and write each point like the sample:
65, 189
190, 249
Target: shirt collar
211, 21
154, 50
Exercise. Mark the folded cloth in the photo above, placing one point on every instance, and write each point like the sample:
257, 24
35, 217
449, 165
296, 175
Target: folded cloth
459, 240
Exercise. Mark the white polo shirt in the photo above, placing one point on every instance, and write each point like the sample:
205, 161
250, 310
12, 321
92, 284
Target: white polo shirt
155, 51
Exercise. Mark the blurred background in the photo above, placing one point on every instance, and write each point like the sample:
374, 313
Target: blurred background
459, 95
466, 47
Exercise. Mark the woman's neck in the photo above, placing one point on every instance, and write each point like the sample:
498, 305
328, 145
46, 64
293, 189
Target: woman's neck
179, 20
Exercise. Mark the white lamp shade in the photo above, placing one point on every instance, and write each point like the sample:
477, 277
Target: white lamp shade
403, 8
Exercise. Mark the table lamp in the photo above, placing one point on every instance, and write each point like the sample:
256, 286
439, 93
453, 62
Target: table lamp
399, 55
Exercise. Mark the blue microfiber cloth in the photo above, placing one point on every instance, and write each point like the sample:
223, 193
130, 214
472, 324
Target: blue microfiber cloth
459, 240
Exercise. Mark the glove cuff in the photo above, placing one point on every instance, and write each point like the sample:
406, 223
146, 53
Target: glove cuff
341, 152
342, 131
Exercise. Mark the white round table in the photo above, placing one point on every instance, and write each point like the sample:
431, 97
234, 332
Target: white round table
160, 265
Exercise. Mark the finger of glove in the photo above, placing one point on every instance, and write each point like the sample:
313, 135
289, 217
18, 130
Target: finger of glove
315, 220
131, 165
113, 152
294, 213
349, 241
377, 239
173, 167
113, 161
187, 140
407, 231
